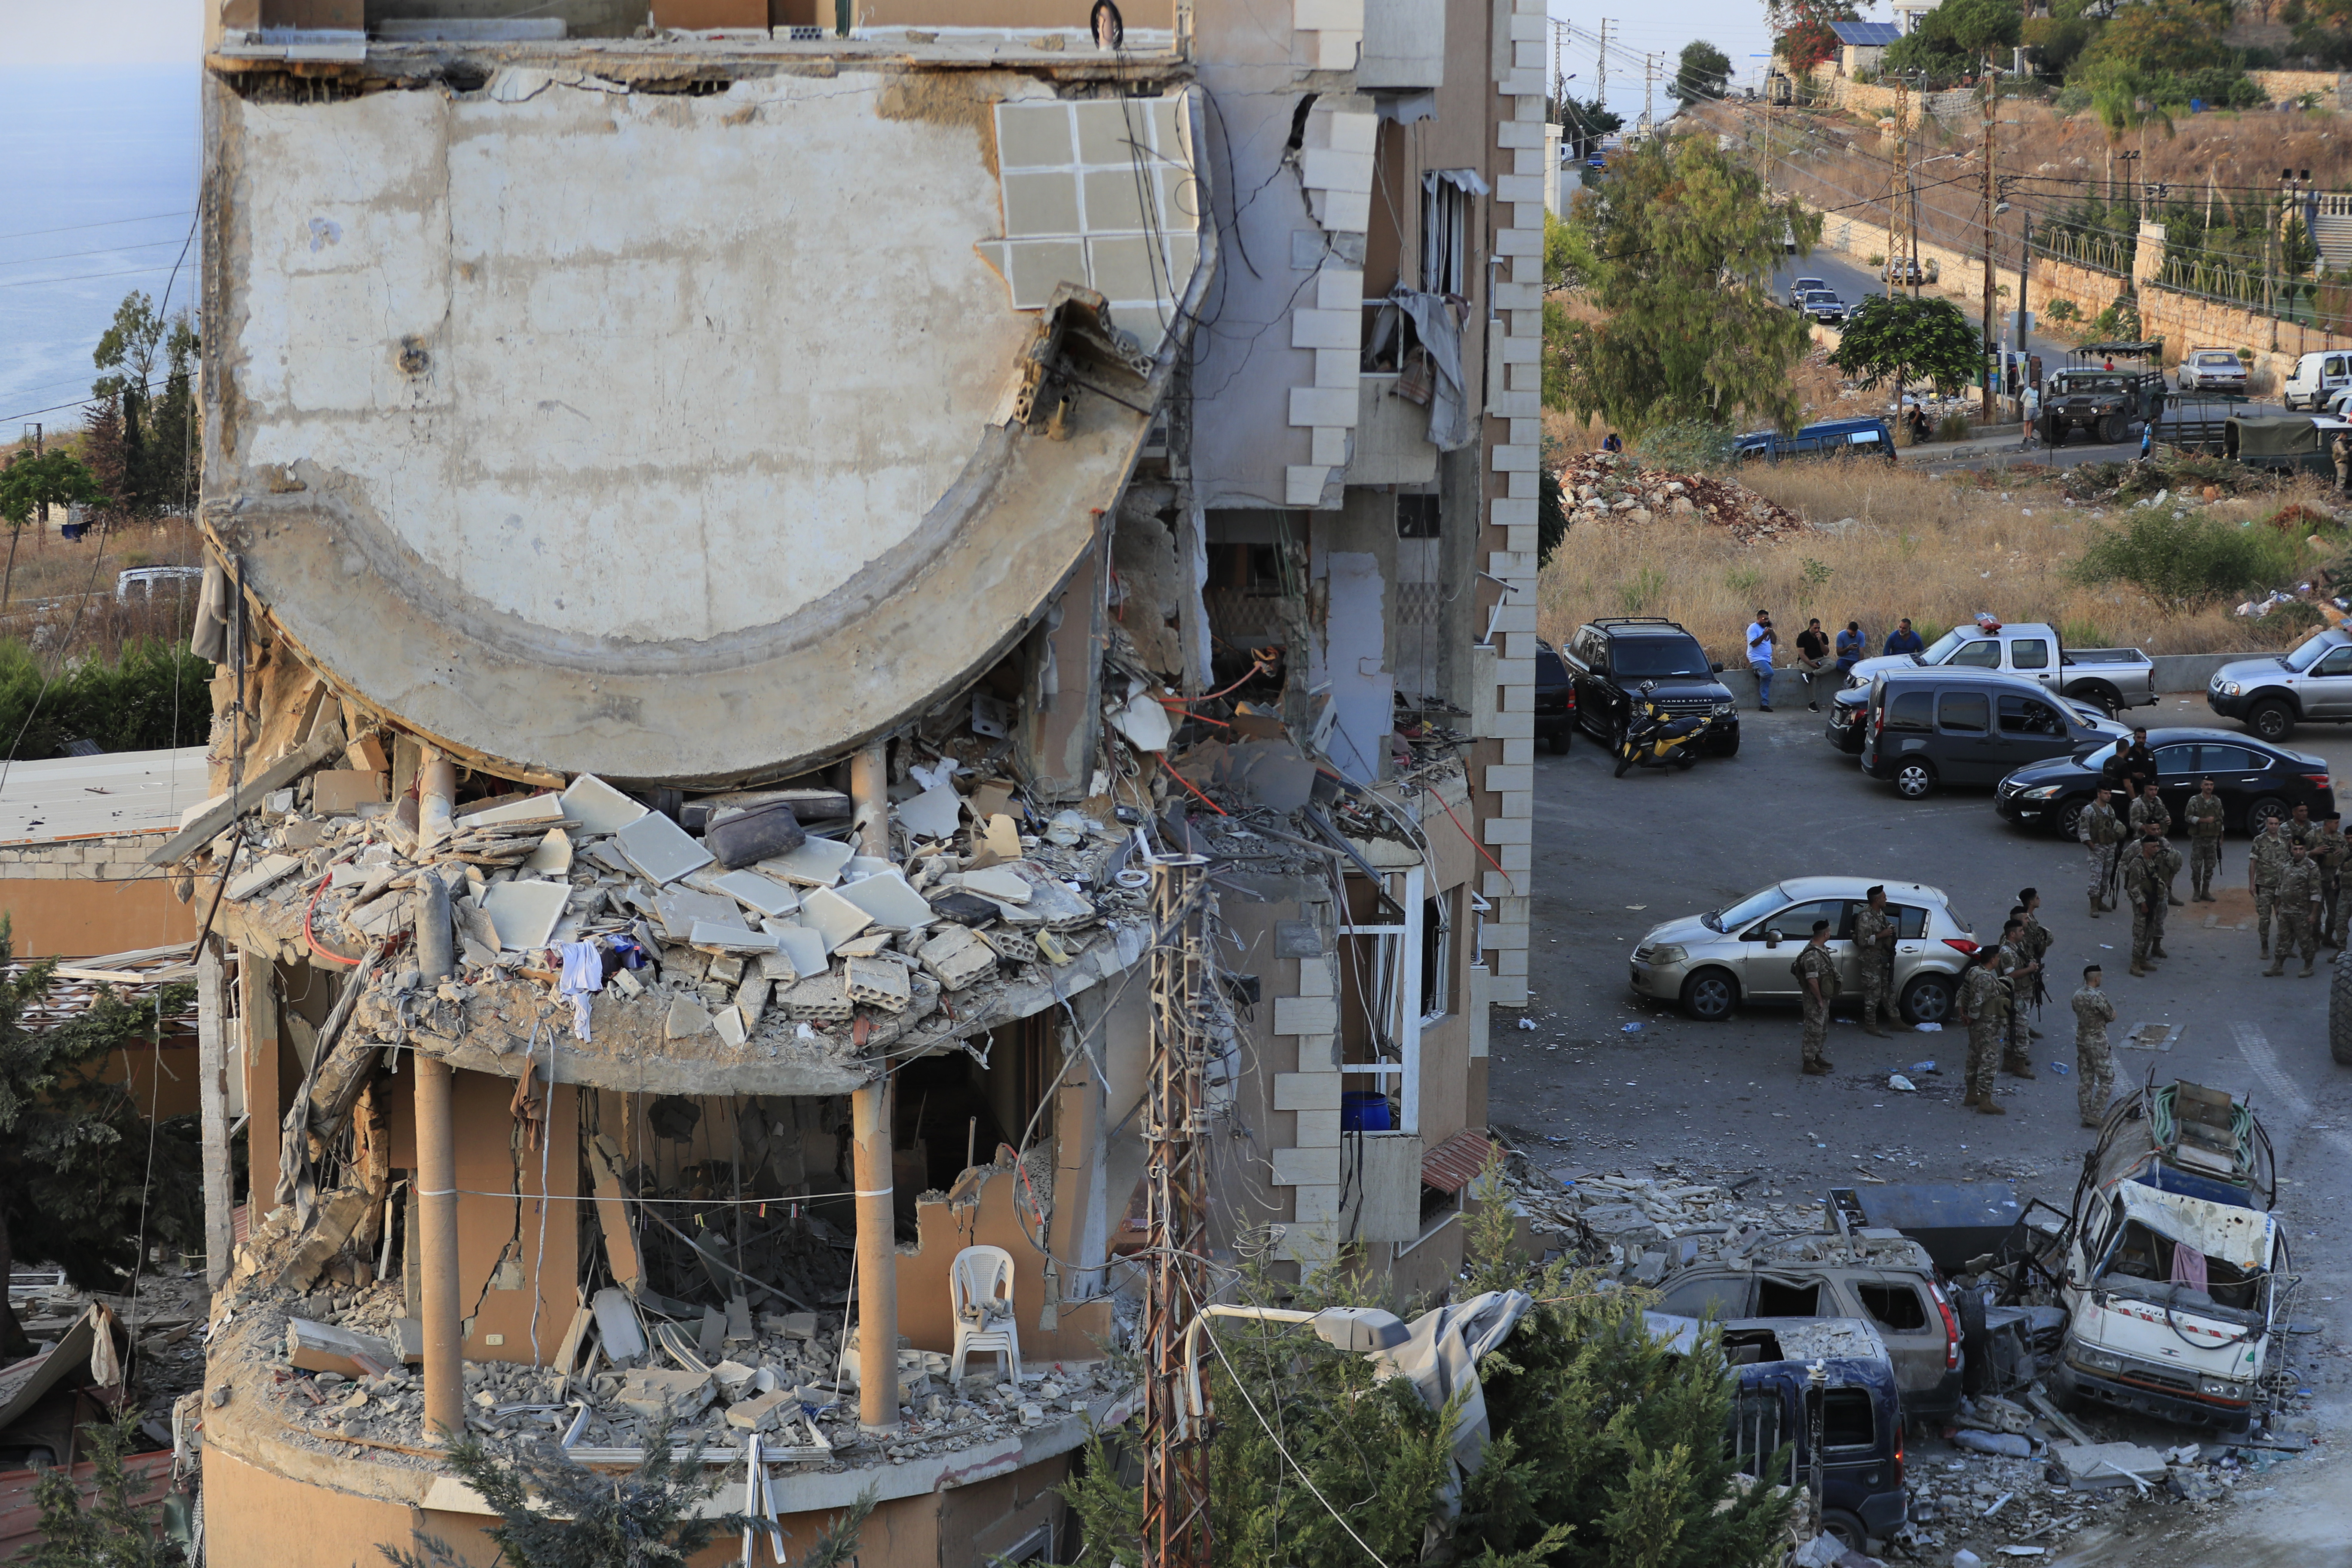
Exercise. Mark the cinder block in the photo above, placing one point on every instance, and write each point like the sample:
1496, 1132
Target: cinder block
1517, 617
1307, 1091
1528, 29
1527, 54
1516, 645
1522, 404
1508, 725
1517, 296
1511, 565
1318, 1129
1306, 1167
1517, 242
1310, 1015
1521, 486
1512, 963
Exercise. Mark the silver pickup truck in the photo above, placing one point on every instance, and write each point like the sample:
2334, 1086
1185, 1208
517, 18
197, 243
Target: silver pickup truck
2114, 679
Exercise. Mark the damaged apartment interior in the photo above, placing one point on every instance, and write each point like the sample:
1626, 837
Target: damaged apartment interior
707, 715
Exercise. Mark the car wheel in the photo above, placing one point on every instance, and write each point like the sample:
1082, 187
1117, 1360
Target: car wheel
2273, 721
2260, 810
2068, 818
1846, 1528
1915, 779
2106, 699
1929, 999
1710, 995
2112, 430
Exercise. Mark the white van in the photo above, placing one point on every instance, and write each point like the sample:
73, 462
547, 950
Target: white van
2317, 377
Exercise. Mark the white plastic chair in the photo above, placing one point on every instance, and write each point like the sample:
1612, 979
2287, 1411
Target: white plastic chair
980, 1289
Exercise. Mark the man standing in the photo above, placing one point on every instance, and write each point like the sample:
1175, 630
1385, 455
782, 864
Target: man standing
2265, 859
1850, 648
2301, 829
2332, 850
2340, 449
1813, 657
2204, 813
2017, 970
1902, 639
1875, 932
2038, 941
2298, 908
1760, 657
2150, 815
2134, 767
2146, 876
2102, 832
1817, 979
2094, 1063
1983, 1006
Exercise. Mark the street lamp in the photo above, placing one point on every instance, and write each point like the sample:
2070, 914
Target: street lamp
1357, 1330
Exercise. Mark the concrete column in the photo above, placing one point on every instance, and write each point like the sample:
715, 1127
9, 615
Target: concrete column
436, 1203
870, 792
436, 799
878, 1259
265, 1108
212, 1101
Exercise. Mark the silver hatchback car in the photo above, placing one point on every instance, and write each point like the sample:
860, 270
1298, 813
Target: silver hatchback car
1710, 963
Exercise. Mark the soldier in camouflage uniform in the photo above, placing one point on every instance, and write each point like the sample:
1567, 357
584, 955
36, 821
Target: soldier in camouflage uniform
2203, 813
2333, 851
1983, 1006
2147, 873
2102, 832
2017, 968
2038, 940
2150, 811
2094, 1063
2298, 908
1817, 987
2265, 859
2301, 829
1875, 932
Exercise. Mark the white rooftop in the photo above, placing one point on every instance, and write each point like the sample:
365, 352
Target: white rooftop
84, 797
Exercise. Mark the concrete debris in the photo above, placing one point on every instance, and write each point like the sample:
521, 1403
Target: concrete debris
1609, 490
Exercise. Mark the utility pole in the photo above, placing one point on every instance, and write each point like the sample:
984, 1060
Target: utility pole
2024, 271
1176, 1212
1993, 94
1649, 74
1600, 89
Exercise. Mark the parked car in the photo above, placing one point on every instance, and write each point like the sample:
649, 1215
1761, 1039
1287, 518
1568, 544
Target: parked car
2254, 778
1712, 963
1830, 438
1862, 1498
1922, 729
2104, 404
1555, 697
2282, 443
1848, 709
145, 583
2212, 370
1905, 273
1823, 306
2311, 683
1609, 659
1802, 286
2316, 377
2112, 677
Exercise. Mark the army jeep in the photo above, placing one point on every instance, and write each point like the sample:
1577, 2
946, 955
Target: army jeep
2105, 402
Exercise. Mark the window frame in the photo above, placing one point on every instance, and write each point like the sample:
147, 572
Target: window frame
1394, 971
1945, 699
1445, 230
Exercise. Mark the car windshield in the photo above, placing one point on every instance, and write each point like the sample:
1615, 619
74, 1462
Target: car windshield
2230, 359
2068, 382
1651, 657
1754, 907
2303, 658
1941, 649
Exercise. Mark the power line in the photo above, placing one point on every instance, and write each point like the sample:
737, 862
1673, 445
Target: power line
109, 223
84, 277
70, 255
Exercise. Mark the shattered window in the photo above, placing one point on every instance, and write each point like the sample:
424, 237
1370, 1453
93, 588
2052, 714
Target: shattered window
1847, 1419
1895, 1307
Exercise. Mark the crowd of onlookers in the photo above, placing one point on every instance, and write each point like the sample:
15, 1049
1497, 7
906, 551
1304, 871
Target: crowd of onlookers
1816, 653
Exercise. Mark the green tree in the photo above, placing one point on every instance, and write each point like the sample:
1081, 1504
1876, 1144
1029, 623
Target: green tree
111, 1531
555, 1513
1906, 338
29, 485
1675, 248
1955, 38
1701, 75
2162, 37
1584, 122
1607, 1450
1801, 29
78, 1188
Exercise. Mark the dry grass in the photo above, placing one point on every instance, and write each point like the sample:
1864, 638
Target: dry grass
1937, 551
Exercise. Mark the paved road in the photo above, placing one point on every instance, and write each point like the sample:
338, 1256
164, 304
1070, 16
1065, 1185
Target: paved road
1615, 856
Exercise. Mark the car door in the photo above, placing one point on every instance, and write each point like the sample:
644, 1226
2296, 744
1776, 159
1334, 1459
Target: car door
2325, 689
1907, 1320
1587, 655
2033, 658
1910, 943
2240, 775
1963, 749
1983, 653
1769, 946
2027, 730
2176, 767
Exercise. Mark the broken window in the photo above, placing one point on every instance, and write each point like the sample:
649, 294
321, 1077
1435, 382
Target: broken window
1380, 963
1895, 1307
1436, 958
1444, 235
1787, 1299
1756, 1437
1417, 517
1847, 1419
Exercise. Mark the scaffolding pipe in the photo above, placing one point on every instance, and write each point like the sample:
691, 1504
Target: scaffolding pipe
436, 1205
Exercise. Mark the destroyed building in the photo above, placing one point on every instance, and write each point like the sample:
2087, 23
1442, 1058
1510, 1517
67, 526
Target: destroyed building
738, 549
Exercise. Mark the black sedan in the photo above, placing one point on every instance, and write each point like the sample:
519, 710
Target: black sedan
2254, 778
1555, 697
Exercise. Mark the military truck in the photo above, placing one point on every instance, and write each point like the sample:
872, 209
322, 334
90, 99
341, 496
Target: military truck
2283, 443
2104, 403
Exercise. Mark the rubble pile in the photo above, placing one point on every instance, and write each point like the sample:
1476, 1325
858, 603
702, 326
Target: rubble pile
1643, 1226
1606, 488
787, 1377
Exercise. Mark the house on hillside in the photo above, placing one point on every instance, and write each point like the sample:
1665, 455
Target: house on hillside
1863, 45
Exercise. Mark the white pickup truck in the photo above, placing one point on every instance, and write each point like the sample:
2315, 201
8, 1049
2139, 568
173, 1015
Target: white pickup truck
2113, 679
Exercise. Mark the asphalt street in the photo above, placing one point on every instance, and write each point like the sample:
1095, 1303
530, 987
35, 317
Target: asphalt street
1613, 1081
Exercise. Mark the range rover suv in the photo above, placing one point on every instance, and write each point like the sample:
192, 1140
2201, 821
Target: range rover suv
1608, 661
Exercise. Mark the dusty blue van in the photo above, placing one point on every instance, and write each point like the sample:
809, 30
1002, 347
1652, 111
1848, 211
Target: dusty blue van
1830, 438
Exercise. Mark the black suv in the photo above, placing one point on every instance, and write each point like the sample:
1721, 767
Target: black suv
1608, 660
1555, 697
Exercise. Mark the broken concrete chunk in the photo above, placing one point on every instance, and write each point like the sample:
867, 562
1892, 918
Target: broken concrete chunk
685, 1019
819, 997
553, 854
803, 947
2095, 1467
751, 1000
762, 1413
815, 864
339, 792
726, 938
598, 807
956, 958
887, 897
629, 984
878, 983
1008, 944
728, 1021
650, 1391
834, 918
272, 870
660, 848
318, 1347
524, 913
864, 944
1001, 883
616, 1323
760, 895
725, 967
538, 808
682, 908
934, 814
